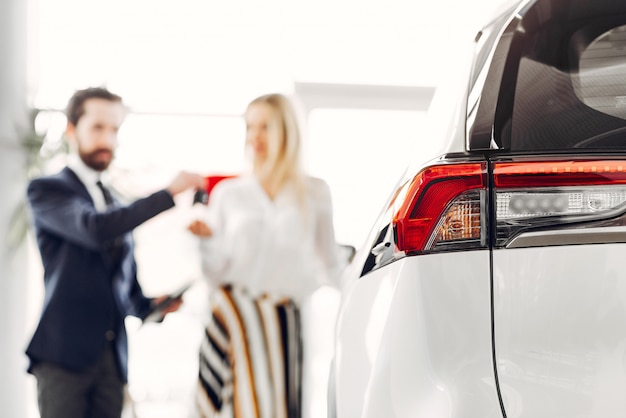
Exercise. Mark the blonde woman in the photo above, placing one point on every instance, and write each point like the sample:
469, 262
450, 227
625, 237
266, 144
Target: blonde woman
267, 243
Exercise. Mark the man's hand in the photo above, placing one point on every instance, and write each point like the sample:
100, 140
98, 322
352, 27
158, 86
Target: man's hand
186, 180
172, 305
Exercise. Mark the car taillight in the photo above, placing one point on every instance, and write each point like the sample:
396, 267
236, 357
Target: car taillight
445, 205
551, 194
443, 209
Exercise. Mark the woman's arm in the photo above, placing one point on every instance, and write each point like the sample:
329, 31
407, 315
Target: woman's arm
208, 228
325, 242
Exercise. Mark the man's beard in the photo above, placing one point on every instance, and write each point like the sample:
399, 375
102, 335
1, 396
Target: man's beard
91, 159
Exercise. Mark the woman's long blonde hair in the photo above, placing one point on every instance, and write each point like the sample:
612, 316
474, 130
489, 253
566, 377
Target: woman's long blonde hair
282, 164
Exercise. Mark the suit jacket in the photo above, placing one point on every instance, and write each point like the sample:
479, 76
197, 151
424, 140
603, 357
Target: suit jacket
87, 295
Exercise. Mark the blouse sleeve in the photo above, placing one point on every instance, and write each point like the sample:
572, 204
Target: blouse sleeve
213, 258
325, 243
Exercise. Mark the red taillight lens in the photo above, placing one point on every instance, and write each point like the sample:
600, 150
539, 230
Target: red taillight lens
553, 194
442, 205
559, 173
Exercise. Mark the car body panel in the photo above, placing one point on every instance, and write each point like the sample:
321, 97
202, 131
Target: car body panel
439, 362
560, 330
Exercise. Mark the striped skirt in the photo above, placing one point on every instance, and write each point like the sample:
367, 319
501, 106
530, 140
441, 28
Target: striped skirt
250, 358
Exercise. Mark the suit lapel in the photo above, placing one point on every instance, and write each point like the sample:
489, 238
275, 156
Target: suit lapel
72, 178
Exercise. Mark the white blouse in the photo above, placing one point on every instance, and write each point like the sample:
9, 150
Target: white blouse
270, 246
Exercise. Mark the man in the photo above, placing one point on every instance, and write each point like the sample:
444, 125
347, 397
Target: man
79, 352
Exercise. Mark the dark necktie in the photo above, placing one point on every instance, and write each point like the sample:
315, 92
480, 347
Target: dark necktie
108, 198
115, 248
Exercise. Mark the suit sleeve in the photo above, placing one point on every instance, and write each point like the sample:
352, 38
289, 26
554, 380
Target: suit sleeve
59, 209
140, 305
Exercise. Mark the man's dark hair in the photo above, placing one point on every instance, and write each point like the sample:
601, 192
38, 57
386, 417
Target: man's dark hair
76, 106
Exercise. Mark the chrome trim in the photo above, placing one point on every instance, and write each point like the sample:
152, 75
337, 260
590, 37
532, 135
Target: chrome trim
599, 235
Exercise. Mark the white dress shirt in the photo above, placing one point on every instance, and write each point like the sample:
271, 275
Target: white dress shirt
90, 178
270, 246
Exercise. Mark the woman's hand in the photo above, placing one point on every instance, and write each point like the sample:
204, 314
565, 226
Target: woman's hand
200, 229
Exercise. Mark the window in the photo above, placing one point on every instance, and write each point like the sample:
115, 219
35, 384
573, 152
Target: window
570, 90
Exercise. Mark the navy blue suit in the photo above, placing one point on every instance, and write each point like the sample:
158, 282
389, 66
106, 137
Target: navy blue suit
87, 294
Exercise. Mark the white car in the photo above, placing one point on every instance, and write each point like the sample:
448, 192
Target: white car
493, 284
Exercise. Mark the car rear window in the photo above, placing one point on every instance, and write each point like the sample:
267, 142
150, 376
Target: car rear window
570, 89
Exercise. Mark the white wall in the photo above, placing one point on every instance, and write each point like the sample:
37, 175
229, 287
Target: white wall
13, 272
